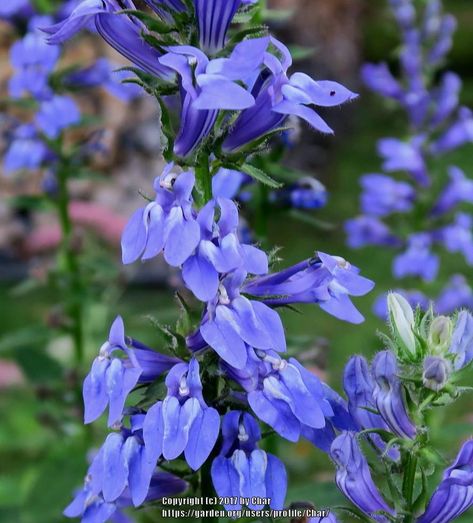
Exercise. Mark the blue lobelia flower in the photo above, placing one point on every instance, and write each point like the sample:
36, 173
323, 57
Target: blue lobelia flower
119, 477
354, 479
458, 237
243, 470
56, 114
454, 495
207, 87
456, 294
460, 189
388, 395
446, 97
121, 32
417, 260
278, 96
232, 322
33, 60
219, 251
382, 195
102, 74
325, 280
183, 422
111, 378
166, 224
462, 340
306, 193
379, 78
368, 230
26, 150
359, 386
13, 8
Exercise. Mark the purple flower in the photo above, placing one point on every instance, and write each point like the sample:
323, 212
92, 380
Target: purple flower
57, 114
443, 43
456, 294
33, 60
458, 237
379, 78
404, 156
354, 479
26, 150
90, 505
121, 32
226, 183
326, 280
388, 395
232, 322
306, 193
243, 470
417, 260
111, 378
326, 519
460, 189
209, 87
382, 195
359, 386
460, 133
462, 340
368, 230
446, 97
287, 397
14, 8
454, 495
183, 422
278, 96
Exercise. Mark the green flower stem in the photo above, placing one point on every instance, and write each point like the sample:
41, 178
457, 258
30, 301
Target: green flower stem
408, 484
203, 179
69, 264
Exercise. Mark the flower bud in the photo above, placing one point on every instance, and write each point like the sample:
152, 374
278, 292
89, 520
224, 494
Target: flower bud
462, 340
402, 321
436, 373
440, 334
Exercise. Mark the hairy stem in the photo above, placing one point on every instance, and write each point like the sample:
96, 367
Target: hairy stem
408, 484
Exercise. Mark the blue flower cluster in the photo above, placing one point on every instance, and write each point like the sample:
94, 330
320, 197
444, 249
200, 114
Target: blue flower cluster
381, 402
34, 62
202, 406
420, 213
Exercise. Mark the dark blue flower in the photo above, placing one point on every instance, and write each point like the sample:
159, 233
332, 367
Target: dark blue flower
354, 479
183, 422
243, 470
388, 395
121, 32
368, 230
325, 280
417, 260
112, 378
278, 96
454, 495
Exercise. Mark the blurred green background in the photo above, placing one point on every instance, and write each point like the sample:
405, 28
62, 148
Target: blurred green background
41, 463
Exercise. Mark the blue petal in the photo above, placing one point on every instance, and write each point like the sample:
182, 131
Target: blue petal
134, 237
276, 482
182, 237
140, 471
200, 277
225, 480
202, 437
94, 390
153, 432
216, 92
155, 236
115, 470
177, 423
116, 336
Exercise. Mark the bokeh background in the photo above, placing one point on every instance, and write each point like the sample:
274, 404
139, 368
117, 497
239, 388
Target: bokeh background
42, 446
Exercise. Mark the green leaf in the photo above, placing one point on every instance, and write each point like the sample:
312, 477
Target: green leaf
260, 176
152, 23
38, 366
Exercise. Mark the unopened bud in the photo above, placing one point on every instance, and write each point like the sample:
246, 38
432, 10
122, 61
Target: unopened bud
402, 319
440, 334
436, 373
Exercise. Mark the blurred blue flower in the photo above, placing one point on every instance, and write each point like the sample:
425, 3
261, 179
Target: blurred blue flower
25, 151
462, 340
460, 189
458, 237
382, 195
417, 260
456, 294
368, 230
57, 114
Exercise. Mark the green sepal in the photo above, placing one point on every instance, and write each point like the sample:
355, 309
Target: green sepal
260, 176
152, 23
